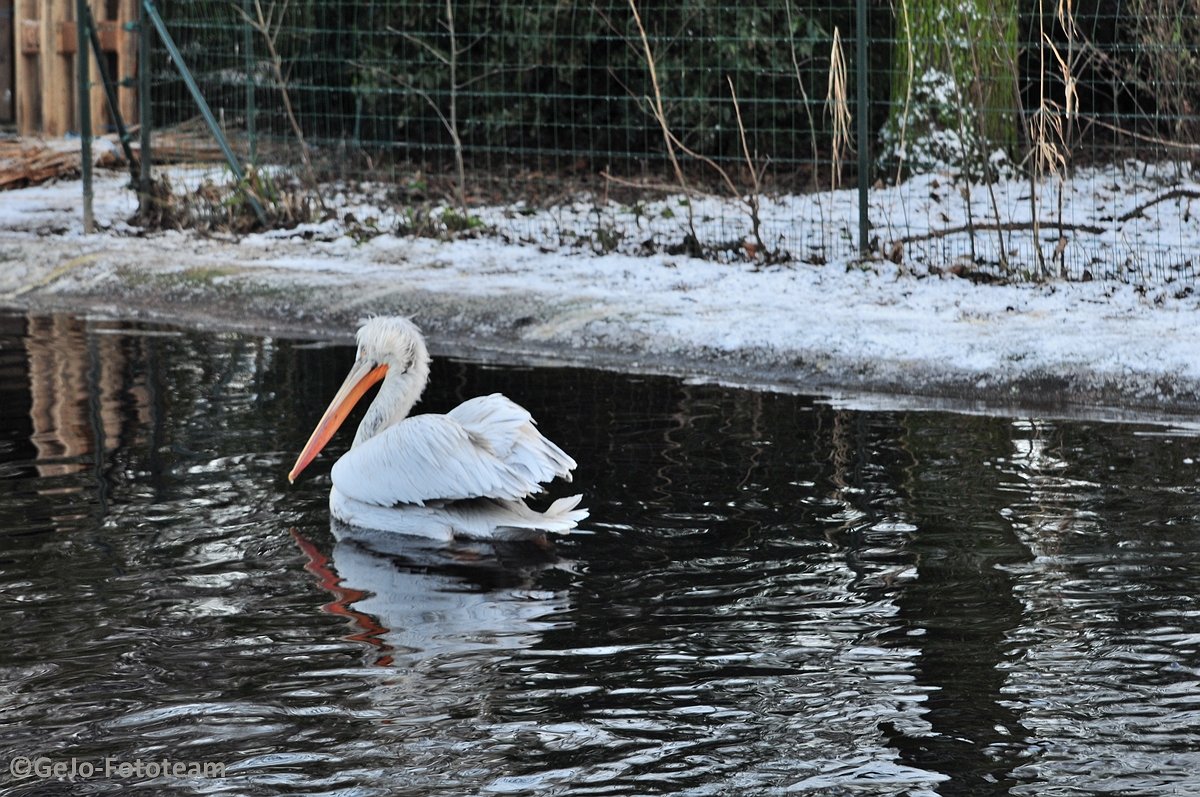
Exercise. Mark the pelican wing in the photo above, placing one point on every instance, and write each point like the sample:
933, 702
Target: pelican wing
511, 433
485, 448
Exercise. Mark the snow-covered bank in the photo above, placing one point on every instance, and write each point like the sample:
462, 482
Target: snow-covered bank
833, 329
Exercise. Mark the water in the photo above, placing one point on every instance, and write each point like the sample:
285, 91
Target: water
773, 596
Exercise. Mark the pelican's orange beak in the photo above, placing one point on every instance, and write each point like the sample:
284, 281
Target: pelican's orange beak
358, 381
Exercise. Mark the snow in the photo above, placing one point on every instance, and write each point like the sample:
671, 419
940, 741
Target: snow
1126, 337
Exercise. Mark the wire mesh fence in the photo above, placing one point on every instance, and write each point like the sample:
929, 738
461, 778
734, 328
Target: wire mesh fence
1002, 139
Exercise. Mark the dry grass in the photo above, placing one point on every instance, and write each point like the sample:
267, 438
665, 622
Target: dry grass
838, 106
1048, 125
755, 248
660, 116
224, 208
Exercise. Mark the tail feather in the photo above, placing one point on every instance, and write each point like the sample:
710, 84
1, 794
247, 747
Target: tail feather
560, 517
563, 510
487, 517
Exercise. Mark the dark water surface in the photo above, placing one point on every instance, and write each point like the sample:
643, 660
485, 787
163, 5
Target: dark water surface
772, 596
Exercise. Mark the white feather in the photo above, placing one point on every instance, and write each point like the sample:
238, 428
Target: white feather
436, 458
479, 519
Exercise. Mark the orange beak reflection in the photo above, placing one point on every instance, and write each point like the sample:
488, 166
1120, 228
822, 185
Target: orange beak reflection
362, 376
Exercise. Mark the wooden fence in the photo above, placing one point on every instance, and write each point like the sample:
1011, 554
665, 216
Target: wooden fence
45, 72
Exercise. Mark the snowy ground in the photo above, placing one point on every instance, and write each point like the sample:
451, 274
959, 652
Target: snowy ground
1127, 339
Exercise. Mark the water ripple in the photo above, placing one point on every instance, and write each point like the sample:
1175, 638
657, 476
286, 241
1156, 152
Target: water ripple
771, 597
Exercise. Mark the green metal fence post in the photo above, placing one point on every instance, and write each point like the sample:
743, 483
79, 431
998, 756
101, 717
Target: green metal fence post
110, 90
82, 56
214, 127
145, 122
248, 48
864, 127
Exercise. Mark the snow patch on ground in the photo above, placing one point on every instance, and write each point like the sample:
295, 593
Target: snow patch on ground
1130, 333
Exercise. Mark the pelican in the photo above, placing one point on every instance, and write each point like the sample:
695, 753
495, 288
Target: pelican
465, 473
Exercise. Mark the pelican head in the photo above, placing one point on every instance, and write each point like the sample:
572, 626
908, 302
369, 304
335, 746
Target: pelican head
391, 349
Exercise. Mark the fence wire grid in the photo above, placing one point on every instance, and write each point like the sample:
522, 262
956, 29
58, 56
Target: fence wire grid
1004, 139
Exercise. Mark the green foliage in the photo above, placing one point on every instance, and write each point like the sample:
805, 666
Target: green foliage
424, 221
456, 222
954, 87
560, 77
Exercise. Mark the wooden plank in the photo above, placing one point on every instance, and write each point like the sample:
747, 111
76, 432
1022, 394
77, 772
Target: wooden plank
102, 120
28, 162
107, 34
106, 31
27, 69
58, 85
66, 37
29, 32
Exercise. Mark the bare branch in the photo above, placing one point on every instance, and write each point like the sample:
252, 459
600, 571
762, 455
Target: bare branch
650, 185
812, 124
268, 26
415, 89
429, 48
1004, 225
752, 201
1162, 142
1177, 193
493, 72
660, 114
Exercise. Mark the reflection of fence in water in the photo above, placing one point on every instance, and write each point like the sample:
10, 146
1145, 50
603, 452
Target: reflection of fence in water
84, 398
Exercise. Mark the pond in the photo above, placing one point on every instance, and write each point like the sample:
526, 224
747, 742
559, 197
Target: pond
772, 595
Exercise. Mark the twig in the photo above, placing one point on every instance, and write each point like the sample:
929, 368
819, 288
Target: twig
675, 145
650, 185
712, 164
268, 26
964, 138
984, 165
429, 48
812, 124
415, 89
449, 119
452, 65
1007, 226
753, 201
1162, 142
660, 116
910, 69
1176, 193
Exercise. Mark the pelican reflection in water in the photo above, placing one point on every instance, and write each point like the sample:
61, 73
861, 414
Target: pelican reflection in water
422, 603
466, 473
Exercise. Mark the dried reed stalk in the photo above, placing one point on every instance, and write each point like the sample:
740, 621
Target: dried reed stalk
838, 107
1048, 147
910, 70
660, 115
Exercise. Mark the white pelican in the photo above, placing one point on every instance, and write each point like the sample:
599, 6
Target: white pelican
474, 465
